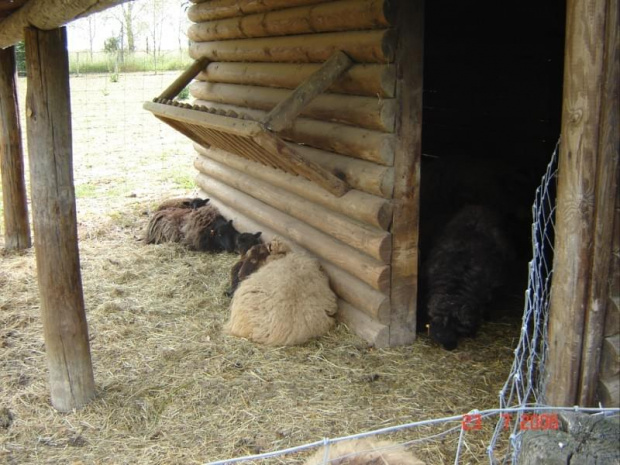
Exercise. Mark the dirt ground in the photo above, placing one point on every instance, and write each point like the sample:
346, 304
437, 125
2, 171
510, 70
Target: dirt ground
171, 388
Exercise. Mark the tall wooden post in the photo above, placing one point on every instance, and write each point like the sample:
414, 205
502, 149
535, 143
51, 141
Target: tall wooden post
407, 156
606, 192
48, 112
16, 226
585, 182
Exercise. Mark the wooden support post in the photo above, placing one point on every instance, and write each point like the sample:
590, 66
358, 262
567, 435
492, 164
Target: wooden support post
184, 79
583, 146
286, 111
48, 112
606, 192
16, 227
407, 157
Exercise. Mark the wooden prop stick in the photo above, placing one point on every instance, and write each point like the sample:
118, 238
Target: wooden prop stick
285, 112
184, 79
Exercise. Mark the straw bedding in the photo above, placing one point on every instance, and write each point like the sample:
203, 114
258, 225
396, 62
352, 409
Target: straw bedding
173, 388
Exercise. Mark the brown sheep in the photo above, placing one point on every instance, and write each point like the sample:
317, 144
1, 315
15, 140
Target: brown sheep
253, 259
166, 225
183, 202
286, 302
365, 452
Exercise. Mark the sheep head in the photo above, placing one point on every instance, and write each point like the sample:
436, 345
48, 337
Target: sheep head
223, 235
245, 241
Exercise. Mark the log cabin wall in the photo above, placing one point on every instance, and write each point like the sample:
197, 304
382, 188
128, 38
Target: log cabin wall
258, 53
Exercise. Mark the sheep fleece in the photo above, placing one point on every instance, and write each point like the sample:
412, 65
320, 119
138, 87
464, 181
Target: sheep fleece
286, 302
365, 452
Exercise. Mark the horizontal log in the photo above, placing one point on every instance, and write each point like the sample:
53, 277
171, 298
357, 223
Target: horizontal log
372, 242
343, 15
365, 112
361, 46
365, 80
206, 10
355, 204
373, 303
347, 287
361, 324
368, 177
373, 146
367, 269
328, 179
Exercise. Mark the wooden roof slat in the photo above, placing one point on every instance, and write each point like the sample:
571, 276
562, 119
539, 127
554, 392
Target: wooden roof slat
45, 15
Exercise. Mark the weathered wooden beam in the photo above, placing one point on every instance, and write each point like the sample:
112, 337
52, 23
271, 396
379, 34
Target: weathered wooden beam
375, 46
303, 165
342, 15
16, 225
365, 176
370, 241
347, 287
580, 151
206, 10
367, 269
357, 205
372, 146
46, 15
184, 79
365, 112
366, 327
407, 158
364, 80
283, 114
48, 117
604, 208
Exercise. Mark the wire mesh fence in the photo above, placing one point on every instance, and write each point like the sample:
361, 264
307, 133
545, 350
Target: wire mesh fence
117, 146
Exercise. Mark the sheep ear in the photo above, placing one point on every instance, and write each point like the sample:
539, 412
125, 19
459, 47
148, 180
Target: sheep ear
257, 235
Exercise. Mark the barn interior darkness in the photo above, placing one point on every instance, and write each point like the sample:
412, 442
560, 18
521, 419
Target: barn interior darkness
492, 109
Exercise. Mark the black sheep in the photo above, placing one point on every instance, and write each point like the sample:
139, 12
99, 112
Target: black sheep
245, 241
205, 229
221, 236
465, 267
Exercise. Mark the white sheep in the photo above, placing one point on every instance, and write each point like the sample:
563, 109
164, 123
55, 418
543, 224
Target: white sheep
286, 302
365, 452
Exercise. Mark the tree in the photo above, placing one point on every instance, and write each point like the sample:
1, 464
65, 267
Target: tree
126, 15
20, 58
111, 45
92, 32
